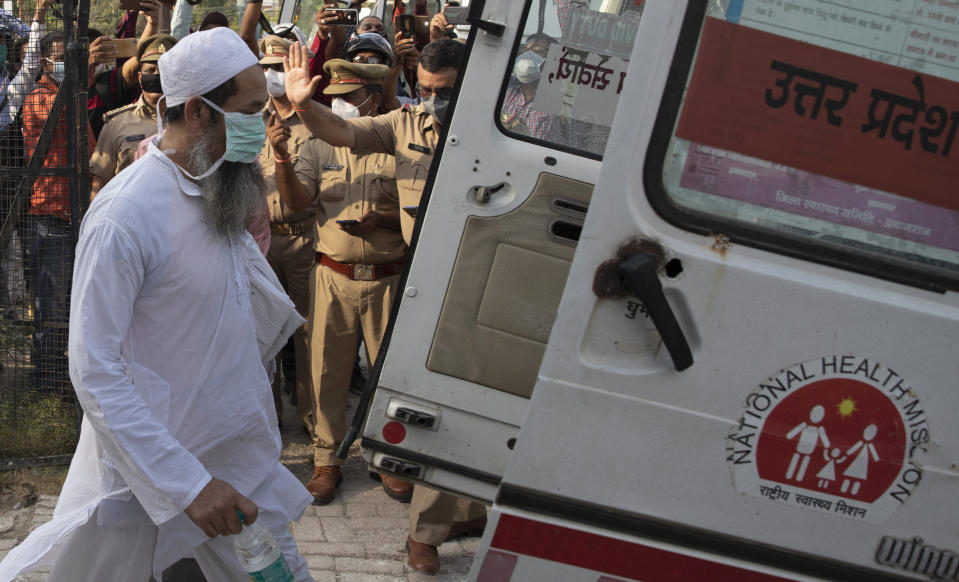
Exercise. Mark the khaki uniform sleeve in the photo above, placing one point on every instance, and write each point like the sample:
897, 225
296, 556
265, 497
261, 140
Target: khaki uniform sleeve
103, 162
377, 134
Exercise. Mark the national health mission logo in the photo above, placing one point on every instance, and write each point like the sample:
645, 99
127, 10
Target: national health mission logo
837, 435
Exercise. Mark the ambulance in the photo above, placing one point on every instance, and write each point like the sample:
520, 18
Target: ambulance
682, 299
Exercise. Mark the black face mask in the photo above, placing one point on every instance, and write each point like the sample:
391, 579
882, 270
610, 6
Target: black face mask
150, 83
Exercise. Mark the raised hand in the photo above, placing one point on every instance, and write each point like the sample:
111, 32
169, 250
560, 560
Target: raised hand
299, 86
150, 9
326, 21
404, 52
439, 26
102, 50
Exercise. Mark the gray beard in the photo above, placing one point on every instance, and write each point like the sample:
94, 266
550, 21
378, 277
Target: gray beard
232, 194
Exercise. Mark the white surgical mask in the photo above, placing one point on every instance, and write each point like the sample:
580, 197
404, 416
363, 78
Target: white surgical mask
437, 107
528, 67
275, 83
346, 110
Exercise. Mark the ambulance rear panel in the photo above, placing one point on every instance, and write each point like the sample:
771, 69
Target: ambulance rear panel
753, 361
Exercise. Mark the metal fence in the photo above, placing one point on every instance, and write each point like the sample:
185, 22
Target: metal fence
44, 152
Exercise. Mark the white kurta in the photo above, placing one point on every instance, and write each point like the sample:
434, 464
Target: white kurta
165, 361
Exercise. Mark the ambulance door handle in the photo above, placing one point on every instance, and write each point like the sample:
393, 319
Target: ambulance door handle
415, 417
400, 467
640, 278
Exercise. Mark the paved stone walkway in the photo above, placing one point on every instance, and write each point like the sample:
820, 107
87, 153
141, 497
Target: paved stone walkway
359, 537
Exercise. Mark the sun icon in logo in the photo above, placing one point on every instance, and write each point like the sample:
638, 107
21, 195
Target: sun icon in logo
846, 407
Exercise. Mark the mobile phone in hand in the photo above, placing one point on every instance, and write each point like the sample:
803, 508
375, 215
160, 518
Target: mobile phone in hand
421, 25
345, 16
406, 23
347, 222
126, 47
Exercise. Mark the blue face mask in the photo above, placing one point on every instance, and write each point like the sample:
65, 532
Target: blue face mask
57, 71
245, 135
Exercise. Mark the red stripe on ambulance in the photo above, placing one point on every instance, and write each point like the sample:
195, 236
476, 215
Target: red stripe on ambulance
601, 554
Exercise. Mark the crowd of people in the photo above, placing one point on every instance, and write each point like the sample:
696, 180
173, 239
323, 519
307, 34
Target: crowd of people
177, 316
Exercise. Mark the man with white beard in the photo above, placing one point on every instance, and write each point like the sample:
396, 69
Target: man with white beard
179, 432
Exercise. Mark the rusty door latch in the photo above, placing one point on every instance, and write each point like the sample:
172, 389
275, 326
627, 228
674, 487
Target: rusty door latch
634, 272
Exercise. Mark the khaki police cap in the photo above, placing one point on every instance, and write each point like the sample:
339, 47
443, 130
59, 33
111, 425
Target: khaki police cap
274, 49
152, 48
346, 77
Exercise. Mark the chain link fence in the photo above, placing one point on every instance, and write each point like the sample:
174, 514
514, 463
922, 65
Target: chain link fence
44, 148
53, 95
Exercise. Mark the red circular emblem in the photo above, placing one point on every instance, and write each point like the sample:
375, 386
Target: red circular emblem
837, 436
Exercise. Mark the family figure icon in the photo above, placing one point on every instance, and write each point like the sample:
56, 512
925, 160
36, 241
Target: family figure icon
811, 434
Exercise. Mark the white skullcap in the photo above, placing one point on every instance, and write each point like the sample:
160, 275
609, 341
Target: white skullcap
201, 62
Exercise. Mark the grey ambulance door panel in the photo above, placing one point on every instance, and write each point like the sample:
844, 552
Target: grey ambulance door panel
498, 237
812, 340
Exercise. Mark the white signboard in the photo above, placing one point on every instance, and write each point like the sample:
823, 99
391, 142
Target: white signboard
578, 85
601, 32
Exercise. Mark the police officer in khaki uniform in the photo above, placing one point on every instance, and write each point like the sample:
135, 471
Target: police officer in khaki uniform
291, 231
411, 135
127, 126
359, 257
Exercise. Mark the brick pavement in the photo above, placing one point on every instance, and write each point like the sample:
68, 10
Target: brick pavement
359, 537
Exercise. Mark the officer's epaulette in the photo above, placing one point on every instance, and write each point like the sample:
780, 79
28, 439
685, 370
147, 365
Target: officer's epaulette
114, 112
408, 107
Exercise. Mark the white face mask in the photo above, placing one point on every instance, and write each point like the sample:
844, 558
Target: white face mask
528, 67
346, 110
275, 83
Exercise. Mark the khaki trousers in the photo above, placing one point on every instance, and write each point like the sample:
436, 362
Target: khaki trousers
432, 513
341, 308
292, 259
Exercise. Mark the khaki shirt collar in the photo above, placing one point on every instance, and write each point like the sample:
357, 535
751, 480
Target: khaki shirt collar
418, 110
143, 107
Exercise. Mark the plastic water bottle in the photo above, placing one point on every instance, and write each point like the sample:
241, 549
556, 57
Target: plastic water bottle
259, 554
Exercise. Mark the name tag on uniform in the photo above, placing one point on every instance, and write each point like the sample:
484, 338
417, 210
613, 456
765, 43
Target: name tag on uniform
139, 137
332, 167
419, 148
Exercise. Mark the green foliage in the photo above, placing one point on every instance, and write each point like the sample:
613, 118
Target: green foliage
36, 425
31, 424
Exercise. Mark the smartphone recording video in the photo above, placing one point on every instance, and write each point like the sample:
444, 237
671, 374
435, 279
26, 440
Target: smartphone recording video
126, 47
406, 23
344, 16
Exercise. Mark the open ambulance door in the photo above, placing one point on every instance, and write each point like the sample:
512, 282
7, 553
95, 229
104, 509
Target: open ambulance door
500, 220
753, 370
